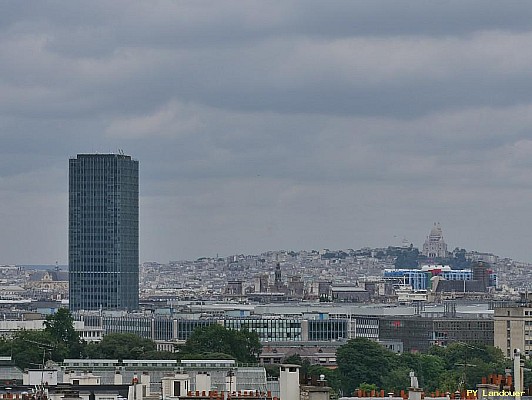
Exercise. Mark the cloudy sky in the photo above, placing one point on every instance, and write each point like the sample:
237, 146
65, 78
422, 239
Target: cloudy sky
266, 125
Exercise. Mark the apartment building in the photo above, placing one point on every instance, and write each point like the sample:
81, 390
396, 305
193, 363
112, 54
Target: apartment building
513, 329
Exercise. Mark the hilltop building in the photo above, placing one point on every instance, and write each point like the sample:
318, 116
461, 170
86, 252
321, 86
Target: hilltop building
435, 246
103, 234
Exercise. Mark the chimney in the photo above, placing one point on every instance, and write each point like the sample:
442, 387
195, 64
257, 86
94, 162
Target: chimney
203, 382
145, 380
118, 378
289, 382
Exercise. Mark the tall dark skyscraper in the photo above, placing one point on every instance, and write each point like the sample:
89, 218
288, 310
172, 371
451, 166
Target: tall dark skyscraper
103, 232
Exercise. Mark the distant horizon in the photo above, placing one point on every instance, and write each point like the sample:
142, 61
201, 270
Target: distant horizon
65, 266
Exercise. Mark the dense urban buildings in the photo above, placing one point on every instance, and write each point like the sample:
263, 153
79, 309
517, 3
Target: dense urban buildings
103, 232
306, 304
293, 300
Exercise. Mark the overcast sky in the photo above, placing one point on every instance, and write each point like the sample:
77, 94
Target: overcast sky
268, 125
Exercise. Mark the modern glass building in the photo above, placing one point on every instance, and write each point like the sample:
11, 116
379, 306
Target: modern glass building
269, 330
420, 279
103, 232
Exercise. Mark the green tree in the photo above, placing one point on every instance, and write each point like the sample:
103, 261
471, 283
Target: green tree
293, 359
427, 368
159, 355
449, 380
396, 379
407, 258
272, 370
362, 360
430, 369
367, 387
528, 373
470, 362
123, 346
458, 260
29, 349
60, 327
243, 345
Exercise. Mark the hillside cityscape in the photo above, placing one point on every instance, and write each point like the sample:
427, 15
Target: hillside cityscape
265, 200
306, 308
284, 324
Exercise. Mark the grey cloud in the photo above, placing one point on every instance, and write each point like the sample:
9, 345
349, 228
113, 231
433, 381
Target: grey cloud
263, 125
400, 76
172, 23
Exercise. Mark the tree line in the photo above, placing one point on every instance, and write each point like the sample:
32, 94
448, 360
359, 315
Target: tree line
365, 364
59, 340
361, 363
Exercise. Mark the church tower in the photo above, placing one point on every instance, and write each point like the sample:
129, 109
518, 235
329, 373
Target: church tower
435, 246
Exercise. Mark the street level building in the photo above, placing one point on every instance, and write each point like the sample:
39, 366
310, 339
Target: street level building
103, 232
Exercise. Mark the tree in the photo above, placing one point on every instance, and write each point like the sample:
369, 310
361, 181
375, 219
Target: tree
362, 360
159, 355
396, 379
449, 380
60, 327
272, 370
427, 368
123, 346
458, 259
294, 359
367, 387
407, 258
29, 349
470, 362
243, 345
430, 369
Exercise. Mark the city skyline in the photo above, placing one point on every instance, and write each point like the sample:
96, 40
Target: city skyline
292, 125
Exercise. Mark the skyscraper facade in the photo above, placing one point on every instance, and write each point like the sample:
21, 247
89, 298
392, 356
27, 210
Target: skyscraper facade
103, 234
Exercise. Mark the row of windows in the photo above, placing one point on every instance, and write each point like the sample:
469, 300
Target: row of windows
367, 331
366, 321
